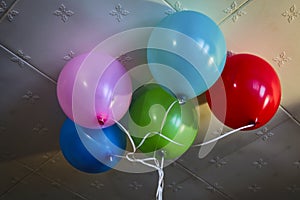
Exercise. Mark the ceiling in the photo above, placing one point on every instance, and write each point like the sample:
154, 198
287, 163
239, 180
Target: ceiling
37, 38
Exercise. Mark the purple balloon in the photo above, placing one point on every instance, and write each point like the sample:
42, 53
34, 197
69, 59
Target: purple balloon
94, 90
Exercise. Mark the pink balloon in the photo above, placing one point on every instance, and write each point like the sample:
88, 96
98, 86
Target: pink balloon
94, 90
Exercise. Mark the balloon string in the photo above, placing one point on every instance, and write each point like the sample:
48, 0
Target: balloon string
128, 135
160, 188
224, 135
148, 134
163, 124
166, 115
157, 166
168, 139
161, 135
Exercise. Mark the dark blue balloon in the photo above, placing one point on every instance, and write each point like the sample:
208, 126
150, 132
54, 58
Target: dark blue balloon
77, 142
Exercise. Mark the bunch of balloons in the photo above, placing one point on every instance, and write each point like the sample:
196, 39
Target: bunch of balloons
187, 56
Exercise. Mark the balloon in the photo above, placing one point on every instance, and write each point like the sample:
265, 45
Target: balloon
107, 142
253, 92
94, 89
148, 107
190, 48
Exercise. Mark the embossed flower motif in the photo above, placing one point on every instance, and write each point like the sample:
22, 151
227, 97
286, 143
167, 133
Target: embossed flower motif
69, 56
23, 56
214, 187
46, 155
135, 185
170, 12
254, 188
297, 164
293, 188
55, 160
218, 162
20, 58
177, 6
260, 163
175, 187
232, 8
124, 59
55, 184
291, 14
267, 136
119, 12
238, 14
282, 59
40, 129
96, 184
265, 133
11, 15
3, 6
30, 97
63, 13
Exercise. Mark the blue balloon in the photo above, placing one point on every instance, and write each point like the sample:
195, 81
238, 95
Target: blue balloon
108, 142
186, 53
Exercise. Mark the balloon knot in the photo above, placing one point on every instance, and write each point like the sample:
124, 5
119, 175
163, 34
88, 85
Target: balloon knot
181, 100
110, 158
101, 120
230, 53
161, 153
254, 123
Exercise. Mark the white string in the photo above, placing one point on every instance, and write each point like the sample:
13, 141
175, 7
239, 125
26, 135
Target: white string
148, 134
143, 161
196, 145
163, 124
157, 166
127, 133
224, 135
161, 135
160, 188
166, 115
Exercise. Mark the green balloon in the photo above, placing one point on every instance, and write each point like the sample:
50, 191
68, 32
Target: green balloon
147, 110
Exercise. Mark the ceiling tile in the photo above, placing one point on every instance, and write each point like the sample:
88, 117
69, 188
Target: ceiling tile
270, 31
229, 145
11, 173
215, 9
30, 115
43, 36
267, 167
192, 189
36, 187
63, 30
89, 185
112, 184
5, 12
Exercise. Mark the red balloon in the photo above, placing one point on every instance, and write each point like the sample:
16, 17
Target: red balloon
248, 92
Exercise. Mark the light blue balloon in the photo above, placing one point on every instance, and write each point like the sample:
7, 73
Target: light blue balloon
186, 53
